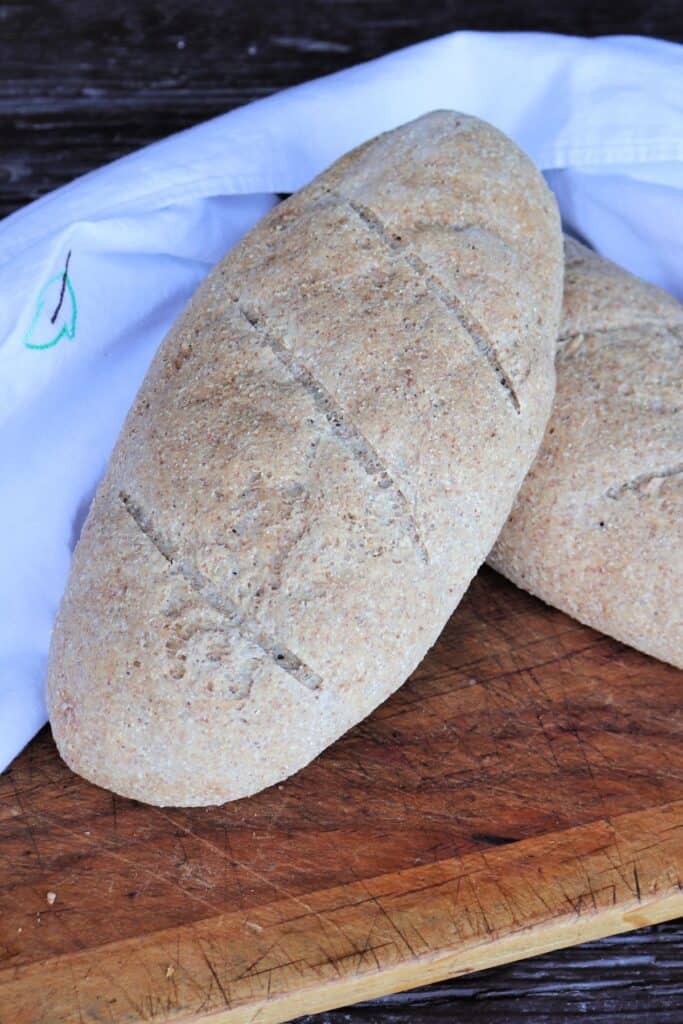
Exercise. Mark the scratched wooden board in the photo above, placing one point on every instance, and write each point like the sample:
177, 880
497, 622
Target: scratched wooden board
522, 792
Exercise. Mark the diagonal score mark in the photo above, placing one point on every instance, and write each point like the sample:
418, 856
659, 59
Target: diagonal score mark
355, 441
237, 619
565, 339
475, 331
641, 481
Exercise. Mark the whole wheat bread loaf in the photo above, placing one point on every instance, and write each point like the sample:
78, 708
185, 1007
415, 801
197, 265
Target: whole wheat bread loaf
320, 457
597, 529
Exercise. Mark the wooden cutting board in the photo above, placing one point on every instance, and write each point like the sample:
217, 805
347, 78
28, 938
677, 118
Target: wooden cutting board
523, 791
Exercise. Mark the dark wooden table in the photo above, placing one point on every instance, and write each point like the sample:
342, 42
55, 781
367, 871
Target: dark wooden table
85, 81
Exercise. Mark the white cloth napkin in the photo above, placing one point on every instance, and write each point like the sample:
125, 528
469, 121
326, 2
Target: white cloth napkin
92, 275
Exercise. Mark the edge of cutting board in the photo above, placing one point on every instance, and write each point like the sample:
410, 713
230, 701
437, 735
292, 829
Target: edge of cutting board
554, 935
379, 935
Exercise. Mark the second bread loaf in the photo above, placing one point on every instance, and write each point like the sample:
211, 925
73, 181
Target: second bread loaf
597, 528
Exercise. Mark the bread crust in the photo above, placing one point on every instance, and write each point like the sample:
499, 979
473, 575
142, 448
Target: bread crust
319, 459
597, 528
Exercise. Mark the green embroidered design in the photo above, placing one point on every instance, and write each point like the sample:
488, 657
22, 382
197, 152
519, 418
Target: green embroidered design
55, 314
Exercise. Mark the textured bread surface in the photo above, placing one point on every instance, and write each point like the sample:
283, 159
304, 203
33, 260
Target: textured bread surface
597, 528
319, 459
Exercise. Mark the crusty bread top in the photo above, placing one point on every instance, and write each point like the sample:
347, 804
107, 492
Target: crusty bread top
597, 528
322, 454
601, 297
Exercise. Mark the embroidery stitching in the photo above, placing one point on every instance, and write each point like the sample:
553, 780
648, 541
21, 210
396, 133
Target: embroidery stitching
67, 328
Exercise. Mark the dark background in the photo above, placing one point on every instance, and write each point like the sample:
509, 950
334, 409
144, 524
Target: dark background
85, 81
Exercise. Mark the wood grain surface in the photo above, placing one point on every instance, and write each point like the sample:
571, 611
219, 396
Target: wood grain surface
522, 792
85, 81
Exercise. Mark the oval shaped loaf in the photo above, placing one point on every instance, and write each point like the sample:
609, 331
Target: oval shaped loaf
320, 457
597, 529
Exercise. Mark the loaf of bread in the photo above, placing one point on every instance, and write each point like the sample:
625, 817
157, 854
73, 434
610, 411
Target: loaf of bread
320, 457
597, 529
